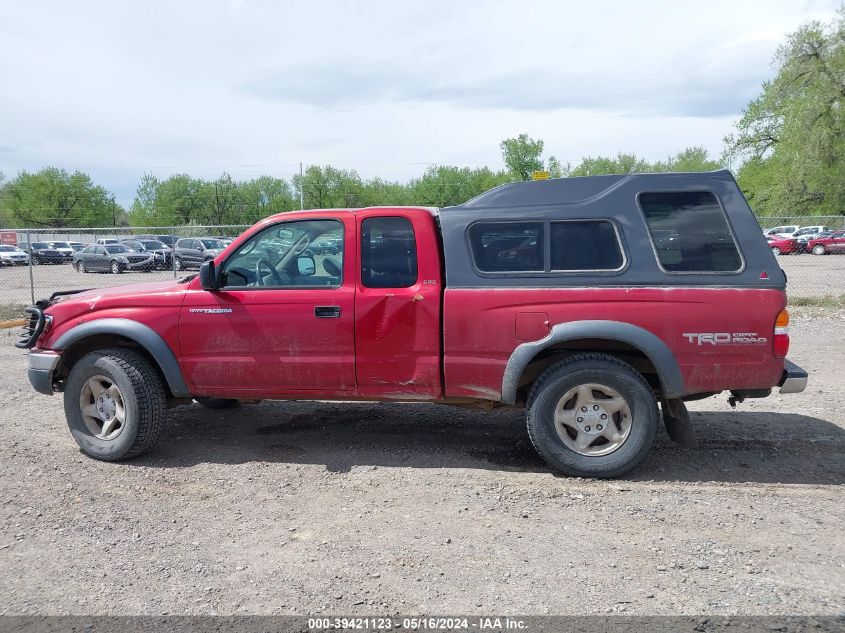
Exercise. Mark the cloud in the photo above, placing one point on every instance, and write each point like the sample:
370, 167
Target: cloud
528, 90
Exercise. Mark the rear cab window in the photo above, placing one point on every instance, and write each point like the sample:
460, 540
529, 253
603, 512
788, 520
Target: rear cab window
690, 232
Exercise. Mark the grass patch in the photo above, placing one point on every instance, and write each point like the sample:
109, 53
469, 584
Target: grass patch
9, 311
824, 301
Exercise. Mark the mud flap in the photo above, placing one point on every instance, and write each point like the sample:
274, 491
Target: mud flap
677, 422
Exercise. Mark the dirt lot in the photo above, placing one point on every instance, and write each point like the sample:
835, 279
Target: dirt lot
365, 508
809, 276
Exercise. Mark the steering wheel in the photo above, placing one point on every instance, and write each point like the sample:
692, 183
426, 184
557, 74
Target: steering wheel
263, 263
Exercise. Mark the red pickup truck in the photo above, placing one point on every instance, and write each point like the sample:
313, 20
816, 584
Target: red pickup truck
587, 301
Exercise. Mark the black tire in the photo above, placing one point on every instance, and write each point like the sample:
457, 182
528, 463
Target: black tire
217, 403
178, 265
80, 267
144, 401
581, 369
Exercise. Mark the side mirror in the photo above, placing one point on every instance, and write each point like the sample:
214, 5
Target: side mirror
208, 276
306, 266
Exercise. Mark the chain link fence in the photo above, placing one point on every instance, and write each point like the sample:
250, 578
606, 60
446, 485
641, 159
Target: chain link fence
57, 255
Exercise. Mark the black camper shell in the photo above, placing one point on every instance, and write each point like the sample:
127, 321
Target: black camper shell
668, 229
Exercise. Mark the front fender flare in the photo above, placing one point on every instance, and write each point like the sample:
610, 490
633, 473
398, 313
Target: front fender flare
668, 370
143, 335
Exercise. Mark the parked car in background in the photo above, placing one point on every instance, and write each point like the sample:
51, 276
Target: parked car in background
12, 256
783, 245
64, 248
225, 241
192, 252
161, 253
76, 246
114, 258
41, 253
832, 242
167, 240
781, 231
108, 240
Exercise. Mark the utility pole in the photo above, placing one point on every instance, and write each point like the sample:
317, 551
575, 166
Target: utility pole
113, 212
301, 190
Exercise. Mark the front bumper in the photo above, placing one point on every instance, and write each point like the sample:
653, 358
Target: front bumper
793, 379
40, 368
144, 264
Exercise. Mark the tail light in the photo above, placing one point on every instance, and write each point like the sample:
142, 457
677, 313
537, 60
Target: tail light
781, 338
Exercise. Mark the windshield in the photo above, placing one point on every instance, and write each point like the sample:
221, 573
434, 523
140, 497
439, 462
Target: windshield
211, 244
59, 245
40, 245
117, 248
7, 249
152, 245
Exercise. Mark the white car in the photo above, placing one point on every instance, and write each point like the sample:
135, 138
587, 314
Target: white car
12, 256
807, 233
781, 231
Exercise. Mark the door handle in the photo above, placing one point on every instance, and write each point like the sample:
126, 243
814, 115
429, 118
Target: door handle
327, 312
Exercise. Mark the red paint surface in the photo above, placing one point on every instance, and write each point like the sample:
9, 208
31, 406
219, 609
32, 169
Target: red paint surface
479, 330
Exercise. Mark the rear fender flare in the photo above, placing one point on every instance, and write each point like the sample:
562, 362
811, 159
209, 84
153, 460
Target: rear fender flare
143, 335
668, 370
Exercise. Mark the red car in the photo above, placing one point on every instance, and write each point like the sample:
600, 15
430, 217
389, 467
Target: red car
833, 243
784, 245
563, 297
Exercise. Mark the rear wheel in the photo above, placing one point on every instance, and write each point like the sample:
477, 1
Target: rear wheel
775, 250
115, 404
818, 249
592, 415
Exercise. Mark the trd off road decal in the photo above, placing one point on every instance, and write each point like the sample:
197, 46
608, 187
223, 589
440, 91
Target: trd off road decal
724, 338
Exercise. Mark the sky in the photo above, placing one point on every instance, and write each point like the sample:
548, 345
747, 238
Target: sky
119, 89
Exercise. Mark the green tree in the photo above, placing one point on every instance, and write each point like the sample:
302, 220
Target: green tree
522, 155
328, 187
621, 164
444, 186
690, 159
178, 200
790, 141
265, 196
53, 197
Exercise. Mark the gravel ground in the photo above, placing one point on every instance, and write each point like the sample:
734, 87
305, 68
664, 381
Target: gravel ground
366, 508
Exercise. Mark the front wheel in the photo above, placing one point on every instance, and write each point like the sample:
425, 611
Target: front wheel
775, 250
178, 264
592, 415
80, 267
115, 268
818, 249
114, 404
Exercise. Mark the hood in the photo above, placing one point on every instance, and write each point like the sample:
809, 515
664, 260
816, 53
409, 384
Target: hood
155, 294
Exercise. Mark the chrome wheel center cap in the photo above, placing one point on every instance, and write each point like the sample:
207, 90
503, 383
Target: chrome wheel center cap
592, 419
106, 406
